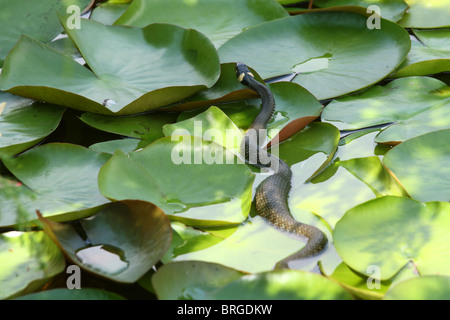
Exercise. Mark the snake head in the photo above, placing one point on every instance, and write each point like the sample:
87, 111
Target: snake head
242, 73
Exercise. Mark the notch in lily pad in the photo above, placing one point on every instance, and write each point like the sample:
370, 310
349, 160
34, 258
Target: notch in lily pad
121, 242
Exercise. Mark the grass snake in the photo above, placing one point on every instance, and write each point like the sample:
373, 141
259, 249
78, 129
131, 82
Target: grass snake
271, 197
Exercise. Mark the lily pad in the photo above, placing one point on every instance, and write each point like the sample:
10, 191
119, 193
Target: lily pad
282, 285
235, 15
426, 14
295, 108
212, 125
24, 17
146, 127
109, 12
413, 106
190, 179
139, 77
422, 288
369, 287
69, 294
390, 231
125, 145
429, 56
254, 246
62, 179
121, 242
389, 9
191, 280
310, 46
28, 261
25, 122
226, 89
426, 177
336, 189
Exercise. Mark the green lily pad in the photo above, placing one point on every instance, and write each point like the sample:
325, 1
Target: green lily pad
121, 242
28, 261
426, 177
254, 246
282, 285
422, 288
62, 179
390, 231
358, 283
190, 179
191, 280
212, 125
150, 79
413, 104
226, 89
429, 56
389, 9
369, 288
361, 144
317, 48
69, 294
341, 186
295, 108
109, 12
315, 138
146, 127
25, 122
125, 145
24, 17
426, 14
235, 15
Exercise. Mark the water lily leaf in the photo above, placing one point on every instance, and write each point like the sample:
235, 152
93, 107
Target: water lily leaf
191, 280
63, 181
366, 287
426, 14
422, 288
121, 242
195, 181
24, 17
295, 108
429, 56
315, 138
341, 186
412, 104
108, 12
69, 294
358, 284
25, 122
389, 9
254, 246
361, 144
28, 261
311, 46
226, 89
146, 127
390, 231
212, 125
125, 145
282, 285
121, 85
427, 175
235, 16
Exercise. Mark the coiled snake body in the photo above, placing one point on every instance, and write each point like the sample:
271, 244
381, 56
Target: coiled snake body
271, 198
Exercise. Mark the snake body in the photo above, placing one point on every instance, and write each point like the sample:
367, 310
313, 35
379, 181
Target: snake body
271, 198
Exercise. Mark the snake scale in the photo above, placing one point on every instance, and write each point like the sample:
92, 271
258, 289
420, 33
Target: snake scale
271, 198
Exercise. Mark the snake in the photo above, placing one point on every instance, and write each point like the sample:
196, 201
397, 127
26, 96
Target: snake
271, 195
